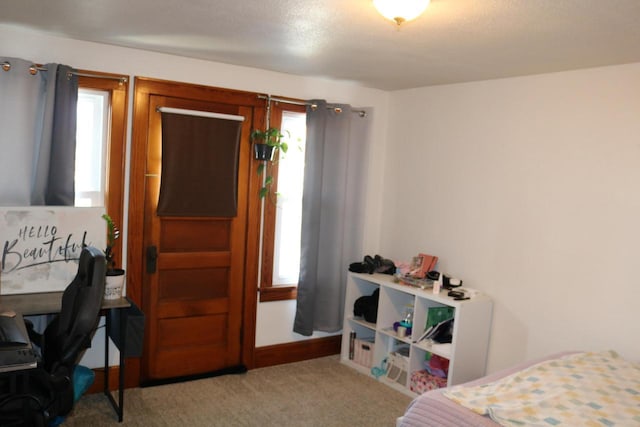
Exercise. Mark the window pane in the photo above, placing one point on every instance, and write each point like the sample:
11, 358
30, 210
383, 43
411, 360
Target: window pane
91, 144
286, 266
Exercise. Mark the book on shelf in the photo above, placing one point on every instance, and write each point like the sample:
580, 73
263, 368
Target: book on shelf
440, 333
437, 321
436, 315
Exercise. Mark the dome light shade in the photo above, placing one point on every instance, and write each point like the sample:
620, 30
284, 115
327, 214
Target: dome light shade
400, 11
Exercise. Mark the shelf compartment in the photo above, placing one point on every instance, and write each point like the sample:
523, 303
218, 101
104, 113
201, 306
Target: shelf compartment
392, 334
443, 350
392, 307
360, 321
364, 287
421, 314
398, 364
422, 381
362, 332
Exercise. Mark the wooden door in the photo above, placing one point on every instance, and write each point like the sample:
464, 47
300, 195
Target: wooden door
193, 280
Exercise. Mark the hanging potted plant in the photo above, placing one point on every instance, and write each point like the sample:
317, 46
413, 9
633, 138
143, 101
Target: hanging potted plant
267, 142
115, 276
265, 145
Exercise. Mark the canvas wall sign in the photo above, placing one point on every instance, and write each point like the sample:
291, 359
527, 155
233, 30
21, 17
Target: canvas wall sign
40, 246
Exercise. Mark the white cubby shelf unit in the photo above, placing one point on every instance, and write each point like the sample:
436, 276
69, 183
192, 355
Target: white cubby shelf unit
467, 353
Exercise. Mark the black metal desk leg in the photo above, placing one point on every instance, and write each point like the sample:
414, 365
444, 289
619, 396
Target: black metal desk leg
119, 405
123, 351
107, 328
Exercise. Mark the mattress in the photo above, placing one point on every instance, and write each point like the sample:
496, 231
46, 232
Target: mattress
433, 409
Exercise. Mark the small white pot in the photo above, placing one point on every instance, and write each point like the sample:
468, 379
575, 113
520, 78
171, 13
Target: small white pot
114, 284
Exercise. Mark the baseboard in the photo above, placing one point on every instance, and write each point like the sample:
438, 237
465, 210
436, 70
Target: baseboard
98, 382
264, 356
231, 370
296, 351
131, 378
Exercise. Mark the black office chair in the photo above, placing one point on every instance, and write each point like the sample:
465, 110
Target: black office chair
50, 387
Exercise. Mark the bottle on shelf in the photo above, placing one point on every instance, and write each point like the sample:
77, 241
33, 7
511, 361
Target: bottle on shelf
352, 342
406, 324
407, 321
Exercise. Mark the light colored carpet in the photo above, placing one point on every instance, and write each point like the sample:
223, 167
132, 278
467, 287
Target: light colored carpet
318, 392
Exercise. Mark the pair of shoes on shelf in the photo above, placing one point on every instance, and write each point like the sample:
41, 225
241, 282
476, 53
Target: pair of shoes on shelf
372, 265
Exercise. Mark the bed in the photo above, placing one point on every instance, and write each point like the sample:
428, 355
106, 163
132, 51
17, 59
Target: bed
570, 389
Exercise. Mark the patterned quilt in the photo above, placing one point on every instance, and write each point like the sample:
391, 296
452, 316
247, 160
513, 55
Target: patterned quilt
583, 389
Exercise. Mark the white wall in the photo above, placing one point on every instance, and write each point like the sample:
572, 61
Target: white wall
16, 42
275, 324
528, 189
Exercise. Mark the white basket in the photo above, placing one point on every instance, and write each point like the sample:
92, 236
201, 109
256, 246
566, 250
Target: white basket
363, 352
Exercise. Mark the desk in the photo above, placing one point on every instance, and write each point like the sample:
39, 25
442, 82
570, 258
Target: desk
51, 303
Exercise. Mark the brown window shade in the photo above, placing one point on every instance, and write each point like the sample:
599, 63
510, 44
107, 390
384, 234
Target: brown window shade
199, 166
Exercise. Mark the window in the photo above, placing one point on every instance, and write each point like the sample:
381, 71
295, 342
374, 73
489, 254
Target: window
282, 219
91, 145
286, 253
100, 144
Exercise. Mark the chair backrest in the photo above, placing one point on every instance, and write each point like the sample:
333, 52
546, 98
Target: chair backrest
70, 333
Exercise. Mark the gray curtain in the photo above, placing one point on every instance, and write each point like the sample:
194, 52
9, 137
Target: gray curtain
332, 214
38, 134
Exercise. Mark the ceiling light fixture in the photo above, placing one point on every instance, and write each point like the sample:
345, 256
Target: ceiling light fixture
400, 11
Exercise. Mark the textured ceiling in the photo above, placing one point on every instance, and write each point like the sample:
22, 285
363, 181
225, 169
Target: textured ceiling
453, 41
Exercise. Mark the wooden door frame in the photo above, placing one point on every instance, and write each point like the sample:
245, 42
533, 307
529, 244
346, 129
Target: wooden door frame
145, 88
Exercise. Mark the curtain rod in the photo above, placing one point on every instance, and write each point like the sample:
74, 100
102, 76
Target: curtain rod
33, 70
121, 79
336, 109
199, 113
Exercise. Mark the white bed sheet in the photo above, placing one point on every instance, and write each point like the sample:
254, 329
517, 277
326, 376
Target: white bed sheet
433, 409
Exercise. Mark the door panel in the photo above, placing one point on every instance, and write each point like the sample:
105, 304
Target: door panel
187, 235
208, 330
192, 308
202, 283
194, 297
